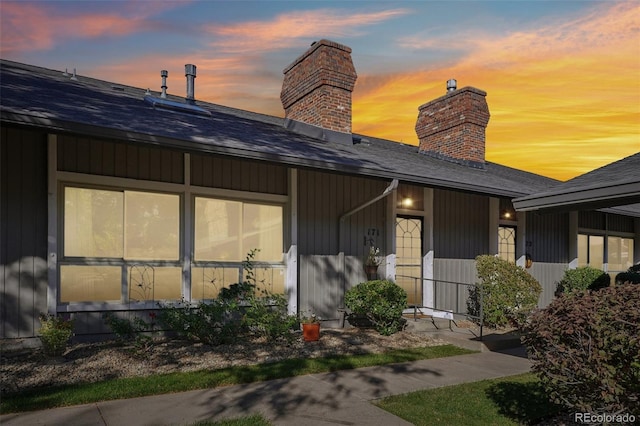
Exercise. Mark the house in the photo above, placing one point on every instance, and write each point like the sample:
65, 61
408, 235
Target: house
114, 198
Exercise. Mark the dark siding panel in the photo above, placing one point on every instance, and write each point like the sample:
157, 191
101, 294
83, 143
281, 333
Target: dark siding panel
461, 225
240, 175
618, 223
119, 159
548, 237
323, 198
23, 243
591, 220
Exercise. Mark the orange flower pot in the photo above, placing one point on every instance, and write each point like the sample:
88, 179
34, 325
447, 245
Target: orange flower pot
311, 332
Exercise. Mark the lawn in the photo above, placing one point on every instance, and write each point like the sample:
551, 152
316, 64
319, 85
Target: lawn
507, 401
42, 398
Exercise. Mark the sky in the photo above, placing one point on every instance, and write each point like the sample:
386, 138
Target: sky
562, 77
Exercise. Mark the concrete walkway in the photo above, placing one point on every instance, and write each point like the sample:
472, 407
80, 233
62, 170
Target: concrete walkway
338, 398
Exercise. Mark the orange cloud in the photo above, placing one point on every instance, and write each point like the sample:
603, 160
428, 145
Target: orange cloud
286, 29
564, 99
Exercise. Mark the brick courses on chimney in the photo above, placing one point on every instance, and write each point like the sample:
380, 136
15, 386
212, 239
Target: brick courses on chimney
453, 126
317, 87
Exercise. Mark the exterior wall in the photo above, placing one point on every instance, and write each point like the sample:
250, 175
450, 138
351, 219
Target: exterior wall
23, 231
322, 199
548, 275
119, 159
460, 225
600, 221
448, 296
229, 173
548, 237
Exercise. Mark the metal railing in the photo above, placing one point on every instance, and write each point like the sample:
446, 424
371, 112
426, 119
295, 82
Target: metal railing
447, 311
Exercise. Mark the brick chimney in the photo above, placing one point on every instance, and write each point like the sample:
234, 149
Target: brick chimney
453, 126
316, 92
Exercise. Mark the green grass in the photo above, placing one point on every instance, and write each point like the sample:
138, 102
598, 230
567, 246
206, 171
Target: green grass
508, 401
256, 420
42, 398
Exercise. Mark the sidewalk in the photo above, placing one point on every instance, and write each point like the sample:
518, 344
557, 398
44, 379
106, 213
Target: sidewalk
337, 398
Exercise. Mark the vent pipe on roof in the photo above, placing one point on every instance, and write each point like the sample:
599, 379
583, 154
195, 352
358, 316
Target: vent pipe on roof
190, 73
73, 77
164, 74
452, 85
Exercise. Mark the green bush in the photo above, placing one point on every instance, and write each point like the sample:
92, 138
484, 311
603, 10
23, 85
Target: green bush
381, 302
585, 348
631, 276
55, 334
237, 312
582, 278
507, 291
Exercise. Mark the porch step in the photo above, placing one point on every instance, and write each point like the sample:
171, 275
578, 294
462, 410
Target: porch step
464, 334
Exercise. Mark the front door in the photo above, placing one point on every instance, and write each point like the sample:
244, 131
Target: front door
409, 258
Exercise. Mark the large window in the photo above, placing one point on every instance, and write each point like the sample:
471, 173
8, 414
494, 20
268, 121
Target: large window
225, 232
591, 252
108, 234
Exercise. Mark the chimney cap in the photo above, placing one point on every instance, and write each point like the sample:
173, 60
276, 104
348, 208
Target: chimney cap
452, 85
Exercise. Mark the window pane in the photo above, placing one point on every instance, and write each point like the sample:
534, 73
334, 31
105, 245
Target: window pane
90, 283
405, 278
596, 251
206, 283
583, 250
620, 252
270, 279
217, 230
152, 226
262, 229
93, 223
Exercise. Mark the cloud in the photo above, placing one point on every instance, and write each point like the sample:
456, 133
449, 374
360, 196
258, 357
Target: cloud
559, 93
287, 29
38, 26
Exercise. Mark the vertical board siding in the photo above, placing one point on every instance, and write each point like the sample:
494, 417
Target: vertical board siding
548, 275
548, 237
323, 198
450, 296
320, 283
241, 175
23, 236
118, 159
619, 223
460, 225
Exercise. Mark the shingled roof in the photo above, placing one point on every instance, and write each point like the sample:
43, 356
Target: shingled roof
616, 186
47, 99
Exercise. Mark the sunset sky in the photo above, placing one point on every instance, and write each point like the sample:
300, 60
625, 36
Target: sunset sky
562, 77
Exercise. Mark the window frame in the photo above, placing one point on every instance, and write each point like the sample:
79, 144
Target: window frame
123, 263
605, 236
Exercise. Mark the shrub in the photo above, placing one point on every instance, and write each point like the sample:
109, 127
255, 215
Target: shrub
381, 302
631, 276
508, 292
586, 350
582, 278
132, 330
55, 334
237, 312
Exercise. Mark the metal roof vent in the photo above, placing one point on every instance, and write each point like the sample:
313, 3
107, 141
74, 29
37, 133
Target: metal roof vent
190, 73
164, 74
452, 85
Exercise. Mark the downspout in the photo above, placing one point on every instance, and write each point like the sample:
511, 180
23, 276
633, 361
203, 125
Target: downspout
392, 186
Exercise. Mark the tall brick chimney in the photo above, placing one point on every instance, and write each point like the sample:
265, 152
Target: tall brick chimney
453, 126
316, 92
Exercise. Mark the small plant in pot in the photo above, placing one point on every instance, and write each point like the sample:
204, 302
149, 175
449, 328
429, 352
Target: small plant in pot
310, 327
371, 263
55, 334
